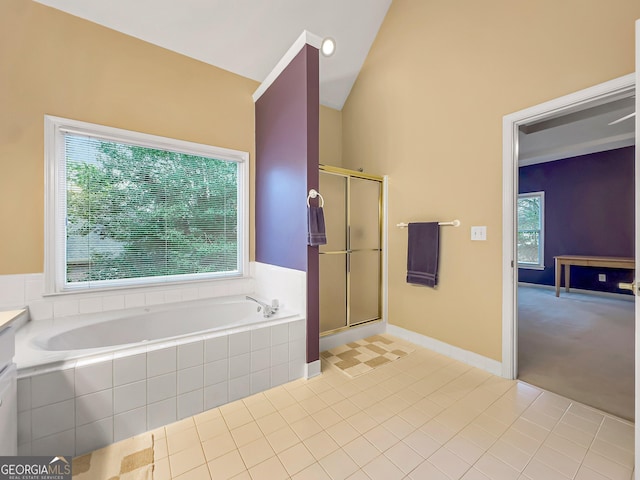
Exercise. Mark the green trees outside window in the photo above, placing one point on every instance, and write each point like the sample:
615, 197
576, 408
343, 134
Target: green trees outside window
530, 229
134, 211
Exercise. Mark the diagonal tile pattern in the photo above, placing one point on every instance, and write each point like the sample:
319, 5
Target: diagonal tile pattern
364, 355
422, 416
131, 458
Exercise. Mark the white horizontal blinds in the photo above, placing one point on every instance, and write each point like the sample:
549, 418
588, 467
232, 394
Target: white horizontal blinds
136, 212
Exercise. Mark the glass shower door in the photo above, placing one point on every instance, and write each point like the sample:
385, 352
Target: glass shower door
333, 255
364, 250
350, 262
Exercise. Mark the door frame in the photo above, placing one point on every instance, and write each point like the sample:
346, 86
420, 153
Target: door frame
598, 94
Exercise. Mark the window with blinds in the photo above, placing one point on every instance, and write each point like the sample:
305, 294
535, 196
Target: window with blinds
135, 209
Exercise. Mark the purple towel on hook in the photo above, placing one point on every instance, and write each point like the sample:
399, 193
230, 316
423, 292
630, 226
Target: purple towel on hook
422, 253
316, 229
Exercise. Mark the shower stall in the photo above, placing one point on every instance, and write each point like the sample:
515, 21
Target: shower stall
351, 261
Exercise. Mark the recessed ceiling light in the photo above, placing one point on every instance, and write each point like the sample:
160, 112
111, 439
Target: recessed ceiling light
328, 47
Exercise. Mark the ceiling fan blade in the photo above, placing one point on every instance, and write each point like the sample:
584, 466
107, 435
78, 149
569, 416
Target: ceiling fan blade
623, 118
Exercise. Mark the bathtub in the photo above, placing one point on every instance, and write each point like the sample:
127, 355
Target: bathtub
88, 381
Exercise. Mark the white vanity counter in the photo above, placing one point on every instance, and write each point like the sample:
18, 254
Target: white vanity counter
9, 321
6, 318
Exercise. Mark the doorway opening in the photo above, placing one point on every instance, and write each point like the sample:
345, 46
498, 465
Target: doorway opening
544, 146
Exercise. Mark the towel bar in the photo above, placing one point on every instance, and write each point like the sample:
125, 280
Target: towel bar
314, 194
453, 223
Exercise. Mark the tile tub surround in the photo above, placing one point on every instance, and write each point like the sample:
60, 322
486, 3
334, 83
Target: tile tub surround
265, 281
18, 291
287, 285
86, 404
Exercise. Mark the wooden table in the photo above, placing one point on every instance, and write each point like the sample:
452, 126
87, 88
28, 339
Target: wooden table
587, 261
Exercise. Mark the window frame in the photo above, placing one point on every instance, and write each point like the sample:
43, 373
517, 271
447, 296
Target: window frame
55, 203
540, 264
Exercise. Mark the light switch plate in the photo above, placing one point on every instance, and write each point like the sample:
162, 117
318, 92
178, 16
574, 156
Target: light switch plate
479, 233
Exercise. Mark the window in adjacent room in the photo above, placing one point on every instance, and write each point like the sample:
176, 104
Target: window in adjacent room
531, 230
125, 208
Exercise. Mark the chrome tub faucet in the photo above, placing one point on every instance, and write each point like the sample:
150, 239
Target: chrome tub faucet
267, 310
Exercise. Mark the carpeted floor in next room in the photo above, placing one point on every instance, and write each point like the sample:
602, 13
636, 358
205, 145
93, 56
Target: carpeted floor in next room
578, 345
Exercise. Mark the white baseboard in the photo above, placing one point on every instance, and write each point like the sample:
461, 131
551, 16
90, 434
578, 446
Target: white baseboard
312, 369
618, 296
464, 356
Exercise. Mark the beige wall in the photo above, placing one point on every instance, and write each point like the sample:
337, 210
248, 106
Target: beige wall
53, 63
330, 136
427, 110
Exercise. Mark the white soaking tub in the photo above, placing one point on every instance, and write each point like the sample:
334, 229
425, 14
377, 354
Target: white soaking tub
88, 381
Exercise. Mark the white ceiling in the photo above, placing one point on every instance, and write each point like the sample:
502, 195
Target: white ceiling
580, 132
247, 37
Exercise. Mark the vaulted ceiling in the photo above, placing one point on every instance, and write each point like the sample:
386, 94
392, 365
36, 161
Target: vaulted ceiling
247, 37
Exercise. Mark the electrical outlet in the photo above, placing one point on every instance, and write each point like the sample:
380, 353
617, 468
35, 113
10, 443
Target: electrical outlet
602, 277
478, 233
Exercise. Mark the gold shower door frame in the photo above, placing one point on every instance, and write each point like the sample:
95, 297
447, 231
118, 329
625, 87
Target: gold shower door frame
347, 252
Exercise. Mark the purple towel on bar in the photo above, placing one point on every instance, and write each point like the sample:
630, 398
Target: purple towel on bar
422, 254
316, 230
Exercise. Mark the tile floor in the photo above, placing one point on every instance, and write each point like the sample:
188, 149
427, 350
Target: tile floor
423, 416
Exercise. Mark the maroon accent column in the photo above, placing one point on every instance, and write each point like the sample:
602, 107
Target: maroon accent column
287, 153
313, 179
